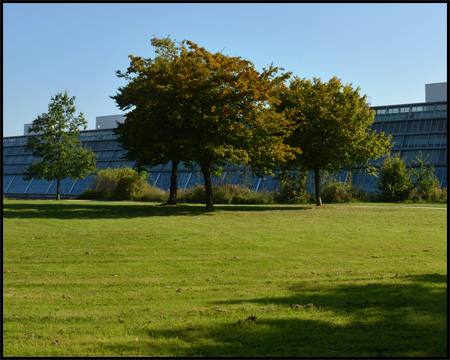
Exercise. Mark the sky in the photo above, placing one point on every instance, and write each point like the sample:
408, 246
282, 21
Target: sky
390, 51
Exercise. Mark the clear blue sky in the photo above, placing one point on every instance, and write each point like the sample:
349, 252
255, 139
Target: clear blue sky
389, 50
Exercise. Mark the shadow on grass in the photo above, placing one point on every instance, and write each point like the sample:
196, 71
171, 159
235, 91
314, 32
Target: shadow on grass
86, 210
377, 320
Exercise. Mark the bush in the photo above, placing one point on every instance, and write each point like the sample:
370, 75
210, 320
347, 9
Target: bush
395, 183
225, 194
363, 196
130, 185
338, 192
90, 194
292, 188
438, 195
121, 184
153, 194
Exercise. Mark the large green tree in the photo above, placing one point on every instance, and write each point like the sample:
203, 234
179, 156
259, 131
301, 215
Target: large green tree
332, 123
211, 109
57, 145
154, 131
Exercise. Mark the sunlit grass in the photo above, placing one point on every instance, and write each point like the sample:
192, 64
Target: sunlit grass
126, 279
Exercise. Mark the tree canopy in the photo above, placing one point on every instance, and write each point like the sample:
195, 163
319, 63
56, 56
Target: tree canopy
57, 145
190, 105
331, 127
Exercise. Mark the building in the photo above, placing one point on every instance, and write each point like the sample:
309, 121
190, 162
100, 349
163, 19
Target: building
415, 128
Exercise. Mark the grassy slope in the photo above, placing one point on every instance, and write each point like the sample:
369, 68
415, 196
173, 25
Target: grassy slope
123, 279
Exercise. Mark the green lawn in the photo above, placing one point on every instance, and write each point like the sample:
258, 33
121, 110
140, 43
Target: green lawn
133, 279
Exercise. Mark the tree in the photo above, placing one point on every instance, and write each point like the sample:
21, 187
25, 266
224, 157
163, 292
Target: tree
331, 127
395, 182
197, 107
57, 145
153, 132
424, 180
230, 110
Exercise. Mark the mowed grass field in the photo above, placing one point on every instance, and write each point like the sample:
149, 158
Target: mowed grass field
135, 279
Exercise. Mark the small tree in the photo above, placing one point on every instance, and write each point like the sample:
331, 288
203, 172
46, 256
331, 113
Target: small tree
424, 180
394, 182
57, 145
331, 127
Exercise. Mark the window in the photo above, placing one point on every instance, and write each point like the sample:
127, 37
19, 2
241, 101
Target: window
82, 184
38, 186
397, 141
401, 127
66, 186
396, 127
7, 150
105, 155
18, 186
427, 126
415, 127
6, 181
434, 125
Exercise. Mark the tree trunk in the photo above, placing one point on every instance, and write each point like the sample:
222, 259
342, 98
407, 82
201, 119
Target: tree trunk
173, 184
206, 170
317, 184
58, 189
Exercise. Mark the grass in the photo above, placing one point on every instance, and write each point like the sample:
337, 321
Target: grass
133, 279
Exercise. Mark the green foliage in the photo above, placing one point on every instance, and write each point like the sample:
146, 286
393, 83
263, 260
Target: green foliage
424, 180
338, 192
90, 194
418, 183
130, 184
226, 194
292, 188
153, 194
437, 194
394, 182
190, 105
121, 184
331, 127
57, 146
363, 196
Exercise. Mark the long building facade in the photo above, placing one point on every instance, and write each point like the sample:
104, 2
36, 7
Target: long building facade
415, 128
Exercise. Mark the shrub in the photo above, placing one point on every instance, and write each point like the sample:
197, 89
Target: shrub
193, 195
394, 182
153, 194
363, 196
226, 194
292, 188
130, 185
438, 195
424, 180
120, 184
338, 192
90, 194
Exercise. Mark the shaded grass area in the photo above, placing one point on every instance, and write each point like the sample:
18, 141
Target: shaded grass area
126, 279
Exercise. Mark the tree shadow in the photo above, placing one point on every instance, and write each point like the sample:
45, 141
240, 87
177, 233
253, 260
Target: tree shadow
406, 319
105, 210
87, 210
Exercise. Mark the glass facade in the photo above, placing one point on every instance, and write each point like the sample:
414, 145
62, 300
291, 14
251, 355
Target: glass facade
414, 128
